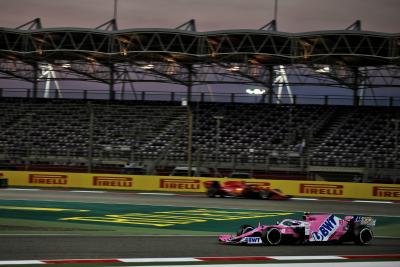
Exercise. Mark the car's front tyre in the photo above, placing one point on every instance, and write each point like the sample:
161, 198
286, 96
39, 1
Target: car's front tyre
272, 236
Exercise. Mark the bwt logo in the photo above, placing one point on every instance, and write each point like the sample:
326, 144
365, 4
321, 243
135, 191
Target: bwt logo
180, 183
327, 228
48, 179
386, 191
252, 240
321, 189
112, 181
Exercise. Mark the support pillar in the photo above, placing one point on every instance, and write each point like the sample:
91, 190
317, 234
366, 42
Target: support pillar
91, 132
186, 104
189, 85
356, 99
35, 79
190, 141
111, 88
270, 84
190, 118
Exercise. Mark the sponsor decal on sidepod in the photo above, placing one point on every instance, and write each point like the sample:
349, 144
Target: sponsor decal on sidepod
252, 240
326, 229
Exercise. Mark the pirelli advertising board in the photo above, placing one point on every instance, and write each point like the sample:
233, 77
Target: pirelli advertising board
196, 184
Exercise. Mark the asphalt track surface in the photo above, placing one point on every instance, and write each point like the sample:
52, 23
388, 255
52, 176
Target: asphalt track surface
96, 247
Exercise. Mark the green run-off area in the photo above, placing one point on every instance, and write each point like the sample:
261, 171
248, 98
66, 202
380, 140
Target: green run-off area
98, 218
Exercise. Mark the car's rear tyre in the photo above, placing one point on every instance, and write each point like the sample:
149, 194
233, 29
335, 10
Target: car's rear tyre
244, 229
264, 194
272, 236
212, 192
214, 189
363, 236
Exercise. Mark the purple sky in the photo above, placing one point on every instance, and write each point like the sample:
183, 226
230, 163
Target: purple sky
293, 15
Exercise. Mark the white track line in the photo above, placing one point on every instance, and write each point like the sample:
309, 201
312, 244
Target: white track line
157, 194
21, 189
86, 191
329, 264
373, 201
160, 260
308, 199
20, 262
261, 259
296, 258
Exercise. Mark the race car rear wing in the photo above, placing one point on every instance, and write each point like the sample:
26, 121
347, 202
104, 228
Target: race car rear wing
362, 220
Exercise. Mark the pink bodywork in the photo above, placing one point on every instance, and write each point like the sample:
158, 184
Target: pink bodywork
318, 228
326, 227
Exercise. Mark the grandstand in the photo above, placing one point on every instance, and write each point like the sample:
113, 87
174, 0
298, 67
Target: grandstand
270, 138
261, 138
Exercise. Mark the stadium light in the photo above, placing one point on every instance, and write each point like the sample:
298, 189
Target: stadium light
325, 69
148, 67
184, 102
256, 91
124, 52
234, 68
90, 59
66, 65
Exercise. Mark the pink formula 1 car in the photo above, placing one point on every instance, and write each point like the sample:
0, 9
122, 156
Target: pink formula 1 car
312, 228
244, 189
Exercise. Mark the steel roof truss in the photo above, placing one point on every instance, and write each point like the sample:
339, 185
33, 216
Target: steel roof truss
176, 39
385, 42
245, 44
19, 41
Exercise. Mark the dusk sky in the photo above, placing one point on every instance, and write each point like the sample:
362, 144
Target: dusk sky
293, 16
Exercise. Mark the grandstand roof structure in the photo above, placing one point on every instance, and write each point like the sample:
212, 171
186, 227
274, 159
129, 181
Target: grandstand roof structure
343, 58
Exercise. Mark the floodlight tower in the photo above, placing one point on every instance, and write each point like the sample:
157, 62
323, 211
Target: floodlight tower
282, 81
49, 75
126, 79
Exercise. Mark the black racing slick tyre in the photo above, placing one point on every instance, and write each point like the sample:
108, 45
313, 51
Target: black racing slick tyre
212, 192
264, 194
244, 229
214, 189
363, 236
272, 236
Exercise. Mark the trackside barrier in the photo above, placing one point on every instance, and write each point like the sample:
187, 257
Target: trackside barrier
196, 184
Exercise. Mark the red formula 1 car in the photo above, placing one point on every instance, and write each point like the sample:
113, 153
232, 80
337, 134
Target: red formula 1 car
317, 228
243, 189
